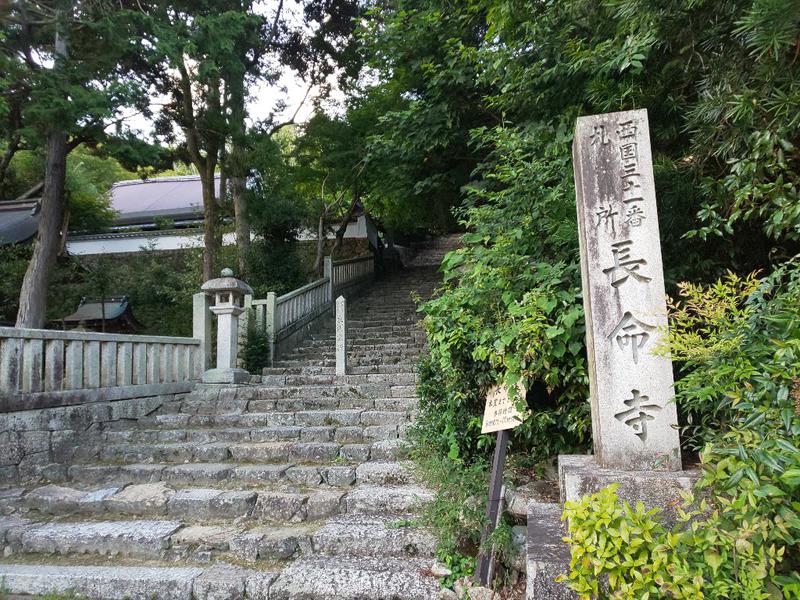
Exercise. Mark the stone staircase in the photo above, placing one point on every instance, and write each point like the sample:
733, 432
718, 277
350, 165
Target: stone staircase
291, 487
431, 252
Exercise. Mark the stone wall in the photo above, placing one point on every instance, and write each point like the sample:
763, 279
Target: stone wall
43, 443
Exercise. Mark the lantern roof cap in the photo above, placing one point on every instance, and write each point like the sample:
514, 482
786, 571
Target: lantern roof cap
226, 283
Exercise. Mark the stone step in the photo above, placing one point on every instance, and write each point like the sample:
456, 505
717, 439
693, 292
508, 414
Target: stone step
306, 433
384, 473
233, 476
340, 578
368, 360
203, 395
373, 536
198, 504
355, 357
255, 412
404, 378
375, 499
130, 539
102, 582
255, 452
303, 369
297, 415
353, 342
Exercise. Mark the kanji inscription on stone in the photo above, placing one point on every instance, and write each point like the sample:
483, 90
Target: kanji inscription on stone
634, 420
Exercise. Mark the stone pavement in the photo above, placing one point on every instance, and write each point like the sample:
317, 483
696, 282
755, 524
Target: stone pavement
291, 487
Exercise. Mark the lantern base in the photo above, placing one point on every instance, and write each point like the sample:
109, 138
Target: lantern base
226, 376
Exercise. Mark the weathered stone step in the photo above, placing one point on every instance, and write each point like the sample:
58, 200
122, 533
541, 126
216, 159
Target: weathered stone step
304, 369
340, 578
196, 504
253, 452
274, 392
130, 539
405, 341
358, 433
101, 583
234, 476
230, 474
121, 582
373, 536
405, 378
297, 416
384, 473
374, 500
230, 413
328, 359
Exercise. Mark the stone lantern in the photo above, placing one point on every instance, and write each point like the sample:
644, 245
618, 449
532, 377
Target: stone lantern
228, 293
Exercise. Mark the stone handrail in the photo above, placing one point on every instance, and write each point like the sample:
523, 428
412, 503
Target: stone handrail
43, 368
346, 273
281, 317
301, 304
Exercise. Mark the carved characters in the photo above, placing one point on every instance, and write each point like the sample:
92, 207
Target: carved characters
624, 266
640, 411
633, 333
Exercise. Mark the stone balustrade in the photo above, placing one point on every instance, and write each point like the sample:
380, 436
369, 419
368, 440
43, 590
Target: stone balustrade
285, 319
43, 368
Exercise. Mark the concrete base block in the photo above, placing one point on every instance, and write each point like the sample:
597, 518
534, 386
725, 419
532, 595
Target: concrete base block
548, 555
579, 475
226, 376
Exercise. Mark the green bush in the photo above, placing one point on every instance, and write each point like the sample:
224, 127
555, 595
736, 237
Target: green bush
256, 352
738, 343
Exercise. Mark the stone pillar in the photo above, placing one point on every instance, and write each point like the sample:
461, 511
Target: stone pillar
201, 330
341, 336
328, 272
634, 423
634, 419
269, 324
228, 293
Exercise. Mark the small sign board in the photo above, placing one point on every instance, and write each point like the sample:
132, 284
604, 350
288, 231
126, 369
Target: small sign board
501, 411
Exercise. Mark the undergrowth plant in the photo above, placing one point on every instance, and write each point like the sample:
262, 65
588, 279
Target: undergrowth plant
738, 535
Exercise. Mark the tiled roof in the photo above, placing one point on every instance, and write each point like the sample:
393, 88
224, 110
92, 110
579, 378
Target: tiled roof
138, 201
19, 221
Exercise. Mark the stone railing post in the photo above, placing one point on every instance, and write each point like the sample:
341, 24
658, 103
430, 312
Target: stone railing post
201, 330
244, 324
228, 293
328, 272
341, 336
270, 323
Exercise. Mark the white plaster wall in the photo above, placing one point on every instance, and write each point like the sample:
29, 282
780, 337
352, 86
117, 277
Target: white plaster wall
118, 245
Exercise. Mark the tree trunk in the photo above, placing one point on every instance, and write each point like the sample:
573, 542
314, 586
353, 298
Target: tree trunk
238, 171
209, 223
320, 245
238, 189
33, 294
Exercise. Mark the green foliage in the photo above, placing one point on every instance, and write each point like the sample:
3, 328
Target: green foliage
88, 181
460, 565
255, 352
480, 101
510, 309
456, 514
738, 341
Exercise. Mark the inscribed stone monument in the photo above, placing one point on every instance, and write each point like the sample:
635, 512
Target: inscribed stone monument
634, 419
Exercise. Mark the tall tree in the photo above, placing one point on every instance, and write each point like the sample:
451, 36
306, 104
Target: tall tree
65, 80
